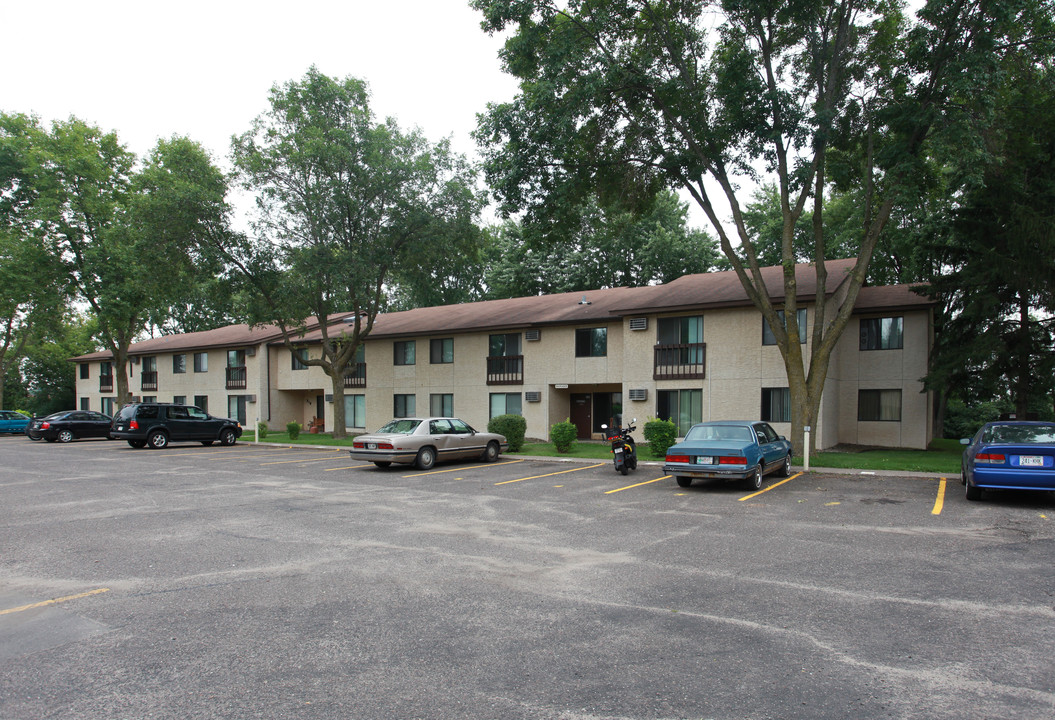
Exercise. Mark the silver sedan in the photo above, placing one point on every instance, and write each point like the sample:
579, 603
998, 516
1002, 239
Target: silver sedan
424, 441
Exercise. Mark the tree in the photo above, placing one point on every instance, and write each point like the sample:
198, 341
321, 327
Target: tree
344, 205
109, 228
630, 95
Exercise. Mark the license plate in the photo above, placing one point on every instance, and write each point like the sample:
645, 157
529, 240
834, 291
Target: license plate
704, 460
1031, 460
371, 446
120, 427
618, 451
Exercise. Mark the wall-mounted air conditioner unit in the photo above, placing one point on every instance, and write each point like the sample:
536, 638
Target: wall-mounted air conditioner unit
250, 398
533, 396
250, 352
532, 335
638, 394
329, 397
639, 323
134, 360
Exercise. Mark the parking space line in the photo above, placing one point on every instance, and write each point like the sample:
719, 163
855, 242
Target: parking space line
364, 466
767, 489
535, 477
939, 503
460, 467
629, 487
54, 601
302, 460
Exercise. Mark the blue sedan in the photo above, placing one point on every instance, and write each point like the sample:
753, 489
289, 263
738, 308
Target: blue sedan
729, 450
12, 422
1009, 455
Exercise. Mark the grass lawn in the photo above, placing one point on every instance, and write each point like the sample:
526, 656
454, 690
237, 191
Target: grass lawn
942, 457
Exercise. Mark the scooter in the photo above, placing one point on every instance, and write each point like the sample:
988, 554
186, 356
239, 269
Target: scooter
624, 450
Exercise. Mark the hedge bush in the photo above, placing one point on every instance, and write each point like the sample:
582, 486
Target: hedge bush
563, 435
293, 429
261, 429
512, 426
660, 434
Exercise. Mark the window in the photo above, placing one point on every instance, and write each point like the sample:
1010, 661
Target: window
236, 358
679, 330
85, 371
355, 411
404, 406
149, 399
680, 353
202, 401
591, 342
768, 338
776, 405
179, 364
404, 351
504, 345
108, 406
684, 407
882, 333
236, 408
179, 399
506, 404
296, 364
85, 404
441, 405
441, 351
879, 405
201, 362
150, 364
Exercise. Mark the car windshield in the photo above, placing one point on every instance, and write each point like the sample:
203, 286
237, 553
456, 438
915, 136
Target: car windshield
720, 432
1025, 434
400, 427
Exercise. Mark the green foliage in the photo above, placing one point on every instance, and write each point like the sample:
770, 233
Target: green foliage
660, 435
513, 427
293, 429
563, 435
261, 429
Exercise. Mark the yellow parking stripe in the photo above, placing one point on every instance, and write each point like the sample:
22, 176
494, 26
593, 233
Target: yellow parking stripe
767, 489
458, 469
628, 487
939, 503
54, 601
535, 477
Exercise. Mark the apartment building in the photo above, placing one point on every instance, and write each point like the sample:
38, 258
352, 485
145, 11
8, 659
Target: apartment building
692, 350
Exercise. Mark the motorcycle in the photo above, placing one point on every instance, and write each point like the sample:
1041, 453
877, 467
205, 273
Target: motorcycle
624, 449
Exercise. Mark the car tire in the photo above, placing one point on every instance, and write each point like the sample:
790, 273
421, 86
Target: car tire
227, 437
382, 463
426, 458
157, 440
755, 481
683, 481
65, 436
491, 452
785, 469
137, 443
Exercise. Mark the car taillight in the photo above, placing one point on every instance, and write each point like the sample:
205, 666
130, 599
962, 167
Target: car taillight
732, 461
134, 425
359, 445
678, 458
990, 458
385, 446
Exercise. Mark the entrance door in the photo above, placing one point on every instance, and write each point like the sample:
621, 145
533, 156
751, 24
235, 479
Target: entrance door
320, 407
582, 414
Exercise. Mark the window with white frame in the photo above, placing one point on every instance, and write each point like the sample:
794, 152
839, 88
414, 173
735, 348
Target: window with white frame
355, 411
879, 405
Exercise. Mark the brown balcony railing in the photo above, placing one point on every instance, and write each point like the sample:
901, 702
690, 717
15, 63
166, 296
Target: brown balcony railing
148, 380
356, 378
237, 377
686, 361
106, 383
505, 370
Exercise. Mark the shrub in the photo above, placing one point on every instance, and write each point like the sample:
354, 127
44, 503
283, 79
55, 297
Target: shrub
512, 426
660, 434
293, 429
261, 429
563, 435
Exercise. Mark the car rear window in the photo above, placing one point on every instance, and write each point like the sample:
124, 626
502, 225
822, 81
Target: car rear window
721, 432
403, 427
1026, 434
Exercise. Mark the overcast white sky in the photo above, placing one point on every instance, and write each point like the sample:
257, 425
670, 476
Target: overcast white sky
149, 69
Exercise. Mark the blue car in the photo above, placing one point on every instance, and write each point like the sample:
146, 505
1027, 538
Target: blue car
1009, 455
729, 450
12, 422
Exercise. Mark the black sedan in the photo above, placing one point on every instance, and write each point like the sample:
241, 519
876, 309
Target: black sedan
69, 425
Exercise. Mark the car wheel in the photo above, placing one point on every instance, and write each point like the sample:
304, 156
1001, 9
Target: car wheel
491, 452
137, 443
227, 437
382, 463
683, 481
755, 481
426, 458
973, 493
65, 436
158, 440
785, 469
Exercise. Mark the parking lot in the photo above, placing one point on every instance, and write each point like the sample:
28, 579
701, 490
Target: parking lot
276, 582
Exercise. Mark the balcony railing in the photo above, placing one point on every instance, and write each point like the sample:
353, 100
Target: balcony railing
148, 380
106, 383
505, 370
686, 361
356, 378
237, 378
